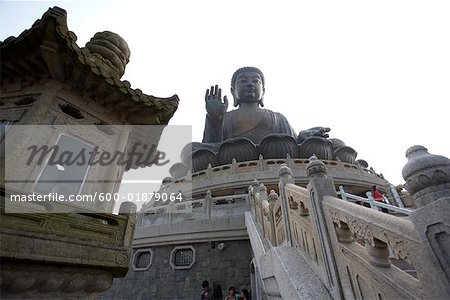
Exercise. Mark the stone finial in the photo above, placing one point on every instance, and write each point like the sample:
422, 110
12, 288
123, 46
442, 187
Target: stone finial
285, 171
112, 48
262, 188
316, 168
427, 176
273, 196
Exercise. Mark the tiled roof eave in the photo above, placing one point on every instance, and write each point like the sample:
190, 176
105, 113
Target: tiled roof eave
53, 29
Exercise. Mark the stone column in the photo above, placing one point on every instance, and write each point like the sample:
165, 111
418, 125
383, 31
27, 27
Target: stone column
207, 204
128, 209
262, 190
427, 178
285, 177
273, 198
319, 186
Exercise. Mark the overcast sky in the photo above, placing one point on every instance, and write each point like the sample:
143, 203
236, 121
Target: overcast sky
377, 73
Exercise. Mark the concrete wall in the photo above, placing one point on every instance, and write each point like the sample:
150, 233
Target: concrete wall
228, 267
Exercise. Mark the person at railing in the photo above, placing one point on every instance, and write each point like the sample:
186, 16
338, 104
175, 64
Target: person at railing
245, 295
206, 290
232, 295
217, 292
378, 197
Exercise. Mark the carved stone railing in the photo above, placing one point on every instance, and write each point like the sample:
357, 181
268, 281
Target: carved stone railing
207, 208
59, 255
364, 241
372, 202
242, 174
359, 252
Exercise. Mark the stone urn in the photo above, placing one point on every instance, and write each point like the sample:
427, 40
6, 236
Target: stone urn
317, 146
277, 146
345, 154
427, 176
241, 149
201, 158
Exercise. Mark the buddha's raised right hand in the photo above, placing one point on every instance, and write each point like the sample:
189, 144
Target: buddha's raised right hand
215, 107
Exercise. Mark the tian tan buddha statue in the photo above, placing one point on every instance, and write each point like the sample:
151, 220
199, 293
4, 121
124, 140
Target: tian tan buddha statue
250, 130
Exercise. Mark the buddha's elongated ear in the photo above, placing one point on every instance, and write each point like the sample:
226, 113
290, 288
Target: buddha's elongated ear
261, 102
235, 102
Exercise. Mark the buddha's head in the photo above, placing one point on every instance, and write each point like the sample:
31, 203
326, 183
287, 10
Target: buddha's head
247, 86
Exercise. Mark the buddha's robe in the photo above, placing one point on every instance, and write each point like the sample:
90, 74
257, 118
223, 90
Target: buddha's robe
254, 124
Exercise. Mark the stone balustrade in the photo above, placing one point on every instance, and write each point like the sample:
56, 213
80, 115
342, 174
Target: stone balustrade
62, 255
357, 252
195, 209
239, 174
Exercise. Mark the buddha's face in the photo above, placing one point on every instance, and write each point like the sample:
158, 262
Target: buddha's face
248, 87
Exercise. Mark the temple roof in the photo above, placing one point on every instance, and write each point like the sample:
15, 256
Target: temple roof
48, 50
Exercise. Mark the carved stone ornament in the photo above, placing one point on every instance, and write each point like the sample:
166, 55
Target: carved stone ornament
360, 229
336, 143
111, 47
292, 203
202, 158
315, 167
427, 175
317, 146
345, 154
285, 171
277, 146
334, 215
44, 280
396, 246
242, 149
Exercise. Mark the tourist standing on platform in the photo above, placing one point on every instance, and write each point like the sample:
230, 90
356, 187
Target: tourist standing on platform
378, 197
232, 294
217, 292
245, 295
206, 291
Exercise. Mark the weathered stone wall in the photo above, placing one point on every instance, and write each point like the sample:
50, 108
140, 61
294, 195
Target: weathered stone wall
228, 267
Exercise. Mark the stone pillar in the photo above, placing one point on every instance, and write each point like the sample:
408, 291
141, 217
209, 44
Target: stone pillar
319, 186
253, 190
285, 175
427, 178
262, 190
207, 205
273, 198
128, 209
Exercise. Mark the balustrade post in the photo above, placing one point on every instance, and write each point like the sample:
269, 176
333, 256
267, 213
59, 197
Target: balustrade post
273, 197
343, 233
371, 201
170, 208
262, 190
427, 178
396, 196
343, 194
253, 190
285, 175
207, 204
128, 209
319, 186
379, 253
